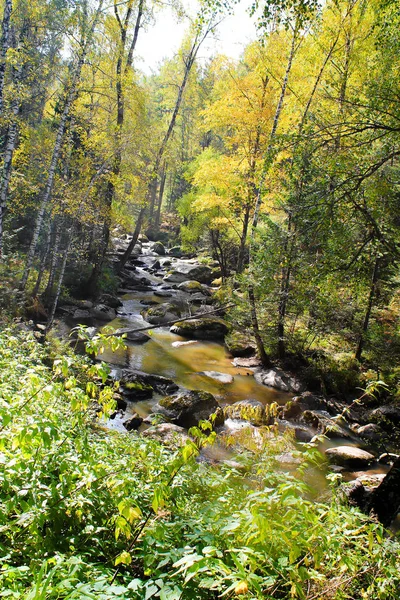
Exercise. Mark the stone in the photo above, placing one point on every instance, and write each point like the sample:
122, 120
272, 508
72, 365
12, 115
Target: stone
386, 416
192, 286
160, 384
138, 337
220, 377
175, 277
179, 344
103, 312
350, 456
110, 300
168, 434
287, 458
176, 252
247, 410
201, 273
371, 432
158, 248
80, 313
209, 328
322, 422
247, 363
188, 408
279, 380
133, 423
161, 313
238, 344
156, 265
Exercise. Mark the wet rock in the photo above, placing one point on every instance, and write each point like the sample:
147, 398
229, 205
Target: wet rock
210, 328
133, 423
161, 313
121, 402
278, 379
387, 458
302, 435
239, 344
307, 401
179, 344
163, 293
220, 377
159, 249
160, 384
200, 298
247, 410
168, 434
156, 265
322, 422
350, 456
139, 337
188, 408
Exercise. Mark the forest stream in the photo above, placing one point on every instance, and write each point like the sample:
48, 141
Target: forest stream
203, 365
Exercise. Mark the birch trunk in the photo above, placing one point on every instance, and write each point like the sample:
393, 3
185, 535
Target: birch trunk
59, 283
71, 92
4, 45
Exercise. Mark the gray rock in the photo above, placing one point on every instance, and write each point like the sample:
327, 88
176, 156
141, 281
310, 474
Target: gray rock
103, 312
240, 345
159, 249
350, 456
371, 432
322, 422
175, 277
161, 313
192, 287
188, 408
386, 415
220, 377
110, 300
210, 328
80, 313
278, 379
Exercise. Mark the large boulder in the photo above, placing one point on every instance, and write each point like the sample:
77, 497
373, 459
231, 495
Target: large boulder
247, 410
161, 313
240, 345
175, 277
323, 424
209, 328
102, 312
350, 456
188, 408
201, 273
110, 300
133, 423
159, 249
276, 378
176, 252
192, 287
293, 409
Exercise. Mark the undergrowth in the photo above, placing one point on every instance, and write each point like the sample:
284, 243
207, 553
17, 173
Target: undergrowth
87, 513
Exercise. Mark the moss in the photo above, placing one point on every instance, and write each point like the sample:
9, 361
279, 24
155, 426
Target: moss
136, 386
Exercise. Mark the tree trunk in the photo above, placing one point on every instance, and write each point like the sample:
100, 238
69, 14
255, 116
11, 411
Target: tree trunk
284, 292
160, 196
70, 96
59, 283
4, 45
54, 262
256, 330
133, 241
371, 297
42, 265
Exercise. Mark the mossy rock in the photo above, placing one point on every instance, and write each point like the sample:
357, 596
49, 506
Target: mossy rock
137, 390
239, 344
161, 313
247, 410
188, 408
208, 328
159, 249
192, 287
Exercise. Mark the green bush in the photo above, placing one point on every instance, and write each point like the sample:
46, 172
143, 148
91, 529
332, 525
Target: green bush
87, 513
